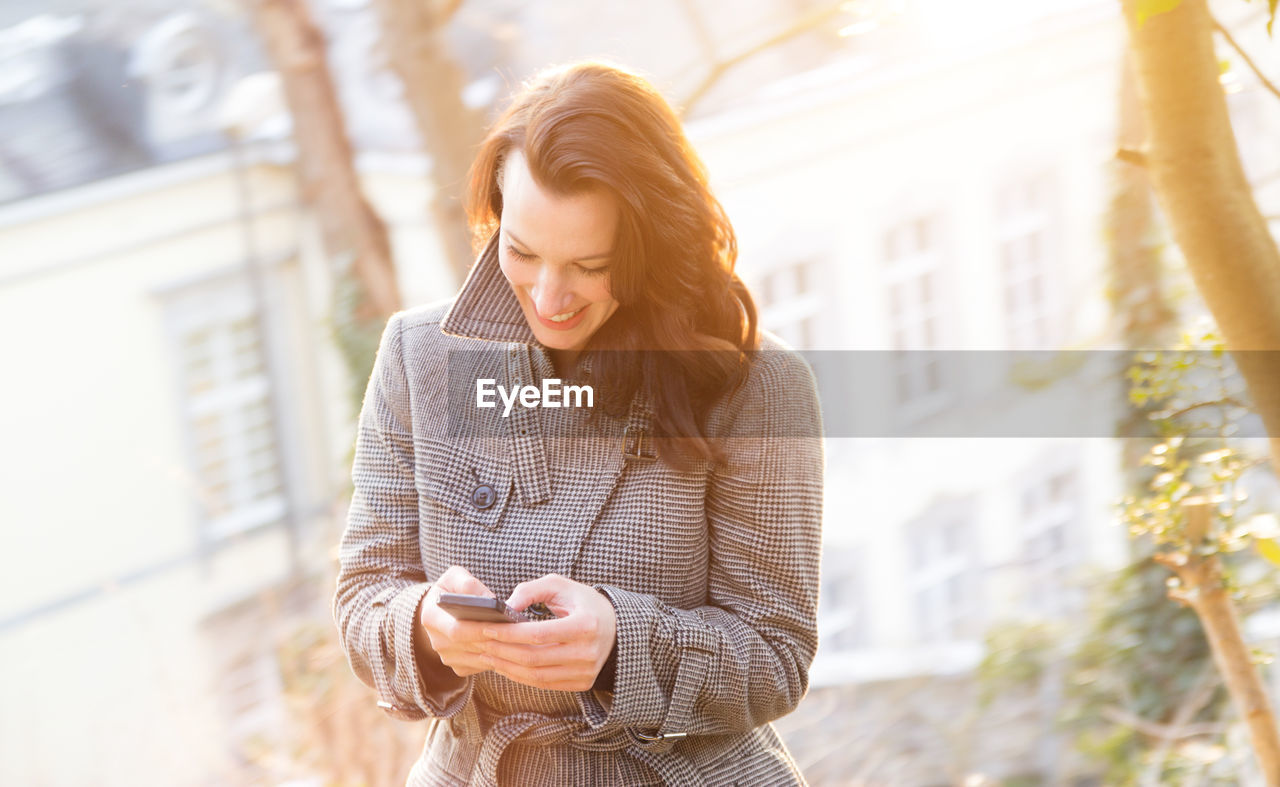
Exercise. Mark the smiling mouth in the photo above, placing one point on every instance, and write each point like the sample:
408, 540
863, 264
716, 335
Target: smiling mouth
564, 316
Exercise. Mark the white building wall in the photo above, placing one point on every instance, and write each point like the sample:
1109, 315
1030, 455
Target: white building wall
114, 620
824, 164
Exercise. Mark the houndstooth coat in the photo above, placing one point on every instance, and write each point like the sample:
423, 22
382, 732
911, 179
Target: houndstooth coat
713, 572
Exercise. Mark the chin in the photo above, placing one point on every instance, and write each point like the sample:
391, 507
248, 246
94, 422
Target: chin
551, 342
557, 342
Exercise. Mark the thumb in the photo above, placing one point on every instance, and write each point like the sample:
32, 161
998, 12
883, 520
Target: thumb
459, 580
548, 589
475, 587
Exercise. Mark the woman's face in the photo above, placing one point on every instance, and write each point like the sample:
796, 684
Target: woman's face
555, 251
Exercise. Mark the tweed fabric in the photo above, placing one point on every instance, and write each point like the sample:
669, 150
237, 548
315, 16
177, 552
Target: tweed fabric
713, 571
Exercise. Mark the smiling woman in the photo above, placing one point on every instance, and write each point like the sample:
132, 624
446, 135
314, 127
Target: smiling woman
674, 529
545, 251
606, 192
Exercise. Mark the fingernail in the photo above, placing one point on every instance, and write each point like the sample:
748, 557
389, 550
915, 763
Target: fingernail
487, 632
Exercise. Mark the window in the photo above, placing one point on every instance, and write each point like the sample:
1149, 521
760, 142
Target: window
225, 390
789, 302
1024, 225
943, 575
911, 256
1049, 513
180, 59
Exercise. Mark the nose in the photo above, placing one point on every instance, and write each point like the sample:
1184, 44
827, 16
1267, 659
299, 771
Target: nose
550, 292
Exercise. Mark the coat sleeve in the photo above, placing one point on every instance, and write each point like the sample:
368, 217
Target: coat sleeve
742, 659
381, 580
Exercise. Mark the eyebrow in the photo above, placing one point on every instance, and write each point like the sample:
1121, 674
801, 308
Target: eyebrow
513, 237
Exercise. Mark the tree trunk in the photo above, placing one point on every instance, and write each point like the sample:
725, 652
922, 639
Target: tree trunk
1192, 159
1139, 297
450, 131
1205, 592
1139, 294
350, 228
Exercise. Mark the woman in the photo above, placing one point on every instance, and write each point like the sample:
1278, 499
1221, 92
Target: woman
673, 527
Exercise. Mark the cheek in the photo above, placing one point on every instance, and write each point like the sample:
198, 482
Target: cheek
510, 270
600, 291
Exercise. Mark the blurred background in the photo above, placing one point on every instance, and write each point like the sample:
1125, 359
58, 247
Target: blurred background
227, 199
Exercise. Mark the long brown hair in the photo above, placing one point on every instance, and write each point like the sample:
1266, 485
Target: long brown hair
595, 125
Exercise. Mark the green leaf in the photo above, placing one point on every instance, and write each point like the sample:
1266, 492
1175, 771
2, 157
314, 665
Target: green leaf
1269, 549
1149, 8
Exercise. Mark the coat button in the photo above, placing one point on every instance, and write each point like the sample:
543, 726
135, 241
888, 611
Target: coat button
483, 496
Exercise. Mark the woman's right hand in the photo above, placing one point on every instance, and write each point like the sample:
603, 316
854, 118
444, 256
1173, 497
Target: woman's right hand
455, 641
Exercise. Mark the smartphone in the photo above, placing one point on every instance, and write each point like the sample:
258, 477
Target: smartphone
467, 607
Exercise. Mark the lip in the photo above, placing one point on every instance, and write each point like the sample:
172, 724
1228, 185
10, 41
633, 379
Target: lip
567, 325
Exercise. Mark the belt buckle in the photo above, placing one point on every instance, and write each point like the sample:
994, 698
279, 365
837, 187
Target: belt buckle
639, 455
660, 736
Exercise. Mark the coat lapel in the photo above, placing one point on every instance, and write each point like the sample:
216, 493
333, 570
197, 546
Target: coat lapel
486, 308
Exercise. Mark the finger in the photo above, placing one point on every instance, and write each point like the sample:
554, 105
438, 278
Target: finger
451, 579
543, 632
551, 589
541, 655
453, 631
458, 580
465, 663
581, 684
462, 666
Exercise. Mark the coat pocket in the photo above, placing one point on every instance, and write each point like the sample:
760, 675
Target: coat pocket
474, 486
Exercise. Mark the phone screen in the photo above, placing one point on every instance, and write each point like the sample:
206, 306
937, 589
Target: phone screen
467, 607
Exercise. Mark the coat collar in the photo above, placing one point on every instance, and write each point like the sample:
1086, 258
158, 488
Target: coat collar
486, 308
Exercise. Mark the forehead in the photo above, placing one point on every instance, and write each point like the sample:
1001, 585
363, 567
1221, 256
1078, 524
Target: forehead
555, 225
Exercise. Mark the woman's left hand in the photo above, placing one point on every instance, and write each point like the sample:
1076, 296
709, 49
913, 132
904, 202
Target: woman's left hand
564, 654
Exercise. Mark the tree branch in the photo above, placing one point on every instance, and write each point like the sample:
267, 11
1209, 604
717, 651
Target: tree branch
1226, 401
1199, 696
1206, 197
1267, 83
802, 25
700, 30
1162, 731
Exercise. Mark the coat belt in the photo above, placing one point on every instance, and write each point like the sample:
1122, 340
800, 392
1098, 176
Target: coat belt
537, 729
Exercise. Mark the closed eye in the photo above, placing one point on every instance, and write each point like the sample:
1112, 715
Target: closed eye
525, 257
